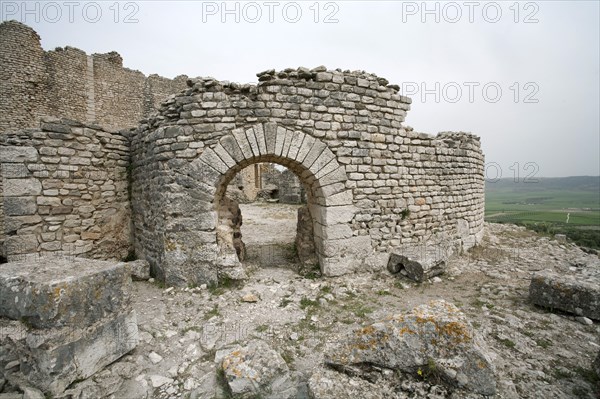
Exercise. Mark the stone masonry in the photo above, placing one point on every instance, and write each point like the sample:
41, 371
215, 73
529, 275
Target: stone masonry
67, 83
372, 184
65, 191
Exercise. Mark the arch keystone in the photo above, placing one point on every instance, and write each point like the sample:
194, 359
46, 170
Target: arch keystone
270, 131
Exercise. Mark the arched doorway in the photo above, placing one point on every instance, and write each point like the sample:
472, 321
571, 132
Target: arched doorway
263, 227
192, 253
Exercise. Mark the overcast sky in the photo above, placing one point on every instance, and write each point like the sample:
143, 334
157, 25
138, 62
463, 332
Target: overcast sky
523, 76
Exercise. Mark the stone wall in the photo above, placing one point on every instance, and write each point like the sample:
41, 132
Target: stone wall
65, 191
67, 83
373, 184
290, 188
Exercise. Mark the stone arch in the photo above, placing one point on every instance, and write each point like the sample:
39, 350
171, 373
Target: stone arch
191, 251
308, 157
330, 203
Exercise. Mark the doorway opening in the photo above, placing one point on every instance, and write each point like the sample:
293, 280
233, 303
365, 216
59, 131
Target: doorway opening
264, 217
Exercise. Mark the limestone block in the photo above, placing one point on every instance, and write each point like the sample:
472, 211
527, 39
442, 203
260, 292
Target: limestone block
22, 187
19, 206
50, 292
330, 215
578, 294
305, 243
18, 154
140, 269
339, 257
21, 244
53, 359
437, 332
255, 370
419, 263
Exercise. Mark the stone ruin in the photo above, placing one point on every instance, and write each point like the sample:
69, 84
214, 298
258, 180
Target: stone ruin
74, 185
373, 186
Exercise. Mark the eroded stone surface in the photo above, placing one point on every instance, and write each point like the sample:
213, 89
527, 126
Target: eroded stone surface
305, 242
52, 359
56, 292
74, 318
140, 269
419, 263
578, 293
436, 335
255, 370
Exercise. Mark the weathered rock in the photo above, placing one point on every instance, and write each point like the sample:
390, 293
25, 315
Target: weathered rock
56, 292
155, 357
52, 359
255, 370
250, 297
18, 154
596, 365
229, 235
32, 393
158, 380
140, 269
22, 187
305, 241
436, 335
78, 318
578, 294
328, 384
419, 263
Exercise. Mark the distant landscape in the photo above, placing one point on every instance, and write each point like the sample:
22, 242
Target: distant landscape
562, 205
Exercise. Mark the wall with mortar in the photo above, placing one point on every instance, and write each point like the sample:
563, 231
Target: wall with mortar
403, 187
65, 191
68, 83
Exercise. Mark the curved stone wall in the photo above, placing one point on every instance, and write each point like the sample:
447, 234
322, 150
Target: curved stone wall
373, 185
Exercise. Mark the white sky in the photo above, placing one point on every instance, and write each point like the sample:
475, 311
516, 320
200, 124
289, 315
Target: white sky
554, 60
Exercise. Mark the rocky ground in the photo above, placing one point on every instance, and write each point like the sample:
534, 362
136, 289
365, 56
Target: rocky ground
536, 353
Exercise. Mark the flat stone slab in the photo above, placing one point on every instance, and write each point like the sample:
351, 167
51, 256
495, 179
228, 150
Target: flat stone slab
578, 294
55, 292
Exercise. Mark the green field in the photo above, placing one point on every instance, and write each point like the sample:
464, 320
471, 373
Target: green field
569, 205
